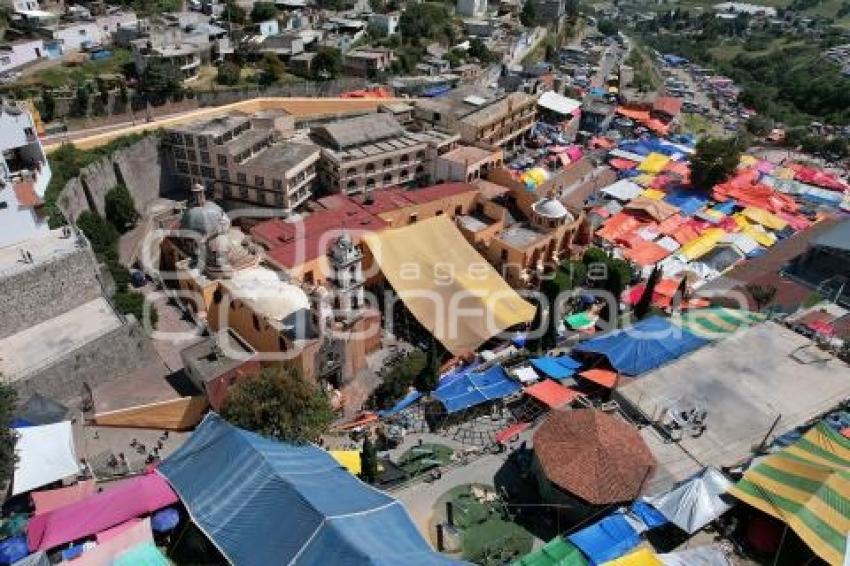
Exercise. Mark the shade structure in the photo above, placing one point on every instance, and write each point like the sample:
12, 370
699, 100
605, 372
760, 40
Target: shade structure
703, 244
265, 502
556, 367
447, 286
556, 552
695, 502
654, 163
607, 539
647, 345
552, 394
807, 486
601, 376
51, 499
709, 555
718, 322
623, 190
135, 497
349, 459
123, 548
640, 557
599, 458
470, 388
46, 454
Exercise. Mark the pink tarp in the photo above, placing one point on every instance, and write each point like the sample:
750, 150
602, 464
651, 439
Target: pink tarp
117, 530
105, 553
132, 498
55, 498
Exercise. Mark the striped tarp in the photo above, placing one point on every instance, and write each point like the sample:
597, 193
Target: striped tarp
717, 323
807, 486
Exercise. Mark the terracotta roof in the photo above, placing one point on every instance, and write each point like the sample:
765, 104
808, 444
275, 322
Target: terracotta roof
26, 196
668, 104
600, 458
552, 394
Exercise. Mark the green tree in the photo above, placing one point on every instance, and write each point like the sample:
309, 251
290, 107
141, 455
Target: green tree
479, 50
528, 15
130, 302
160, 79
120, 208
714, 161
759, 125
607, 27
327, 63
396, 380
428, 20
8, 438
551, 290
47, 107
233, 13
263, 11
645, 302
80, 106
762, 295
102, 235
272, 69
279, 403
428, 379
368, 461
228, 74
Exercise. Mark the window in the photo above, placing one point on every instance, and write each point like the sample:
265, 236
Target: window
277, 184
222, 160
81, 32
412, 218
404, 174
241, 178
388, 178
420, 169
205, 157
224, 174
352, 184
458, 210
259, 181
261, 197
504, 255
179, 153
28, 132
202, 142
420, 155
278, 199
370, 167
405, 158
195, 169
207, 172
217, 296
191, 155
351, 171
388, 162
256, 323
281, 343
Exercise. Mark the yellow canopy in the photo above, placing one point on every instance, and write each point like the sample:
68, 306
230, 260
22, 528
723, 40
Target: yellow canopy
784, 173
700, 246
349, 459
447, 286
641, 557
748, 161
654, 194
758, 233
654, 163
765, 218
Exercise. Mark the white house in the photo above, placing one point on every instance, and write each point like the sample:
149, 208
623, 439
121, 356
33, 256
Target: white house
24, 175
386, 24
471, 8
19, 53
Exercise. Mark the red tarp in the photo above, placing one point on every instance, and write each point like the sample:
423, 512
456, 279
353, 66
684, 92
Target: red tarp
669, 224
604, 377
645, 253
51, 499
503, 436
621, 164
618, 225
131, 498
552, 394
678, 168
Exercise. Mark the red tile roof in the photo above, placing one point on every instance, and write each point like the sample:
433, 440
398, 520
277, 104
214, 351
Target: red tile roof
26, 195
668, 104
598, 457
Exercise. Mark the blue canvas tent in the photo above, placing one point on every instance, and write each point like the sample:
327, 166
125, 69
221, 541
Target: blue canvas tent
607, 539
560, 367
649, 344
265, 502
466, 389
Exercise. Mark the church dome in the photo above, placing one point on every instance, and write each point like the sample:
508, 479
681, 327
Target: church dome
551, 208
207, 219
267, 294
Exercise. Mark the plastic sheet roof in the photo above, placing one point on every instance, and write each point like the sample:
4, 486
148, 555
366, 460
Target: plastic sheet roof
622, 190
556, 552
607, 539
556, 367
552, 394
695, 502
51, 499
46, 454
645, 346
264, 502
468, 389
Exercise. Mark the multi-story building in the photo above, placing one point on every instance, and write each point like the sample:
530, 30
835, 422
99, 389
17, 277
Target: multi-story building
373, 151
367, 62
385, 24
183, 48
466, 164
242, 158
480, 116
20, 53
24, 174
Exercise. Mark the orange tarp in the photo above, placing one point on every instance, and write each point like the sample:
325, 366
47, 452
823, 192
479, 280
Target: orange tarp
620, 164
634, 113
658, 210
678, 168
618, 225
645, 253
604, 377
503, 436
552, 394
685, 233
176, 414
362, 419
669, 225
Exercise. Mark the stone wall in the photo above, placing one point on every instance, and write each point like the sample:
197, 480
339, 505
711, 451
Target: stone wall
112, 355
139, 167
46, 290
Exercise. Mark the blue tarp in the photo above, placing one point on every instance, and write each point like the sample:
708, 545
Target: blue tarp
265, 502
467, 389
606, 540
407, 401
649, 344
687, 201
13, 549
559, 367
727, 207
650, 516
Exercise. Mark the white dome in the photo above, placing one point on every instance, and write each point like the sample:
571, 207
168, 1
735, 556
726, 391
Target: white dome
551, 208
267, 294
208, 219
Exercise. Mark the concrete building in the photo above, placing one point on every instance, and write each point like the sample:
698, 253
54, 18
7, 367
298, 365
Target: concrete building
385, 24
20, 53
218, 363
471, 8
185, 48
480, 116
550, 11
466, 164
242, 158
367, 62
25, 173
374, 151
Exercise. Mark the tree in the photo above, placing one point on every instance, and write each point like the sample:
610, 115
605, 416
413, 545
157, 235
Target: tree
8, 437
368, 461
762, 295
428, 379
758, 125
645, 301
228, 74
327, 63
714, 161
160, 79
233, 13
551, 291
281, 404
101, 234
607, 27
479, 50
120, 208
428, 20
80, 106
47, 108
528, 15
272, 69
263, 11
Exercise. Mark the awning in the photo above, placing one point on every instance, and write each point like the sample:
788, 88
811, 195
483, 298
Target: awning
603, 377
558, 103
552, 394
46, 454
641, 557
470, 388
654, 163
702, 245
765, 218
506, 434
556, 367
607, 539
695, 502
623, 190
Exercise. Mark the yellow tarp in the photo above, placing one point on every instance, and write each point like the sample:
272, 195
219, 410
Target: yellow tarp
759, 234
447, 286
642, 557
654, 194
702, 245
784, 173
654, 163
643, 180
748, 161
176, 414
765, 218
349, 459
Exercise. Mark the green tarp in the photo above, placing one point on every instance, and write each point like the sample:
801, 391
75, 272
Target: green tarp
580, 321
717, 323
141, 555
556, 552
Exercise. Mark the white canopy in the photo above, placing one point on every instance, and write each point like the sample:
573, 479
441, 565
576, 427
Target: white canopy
741, 241
710, 555
623, 190
558, 103
694, 503
45, 454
